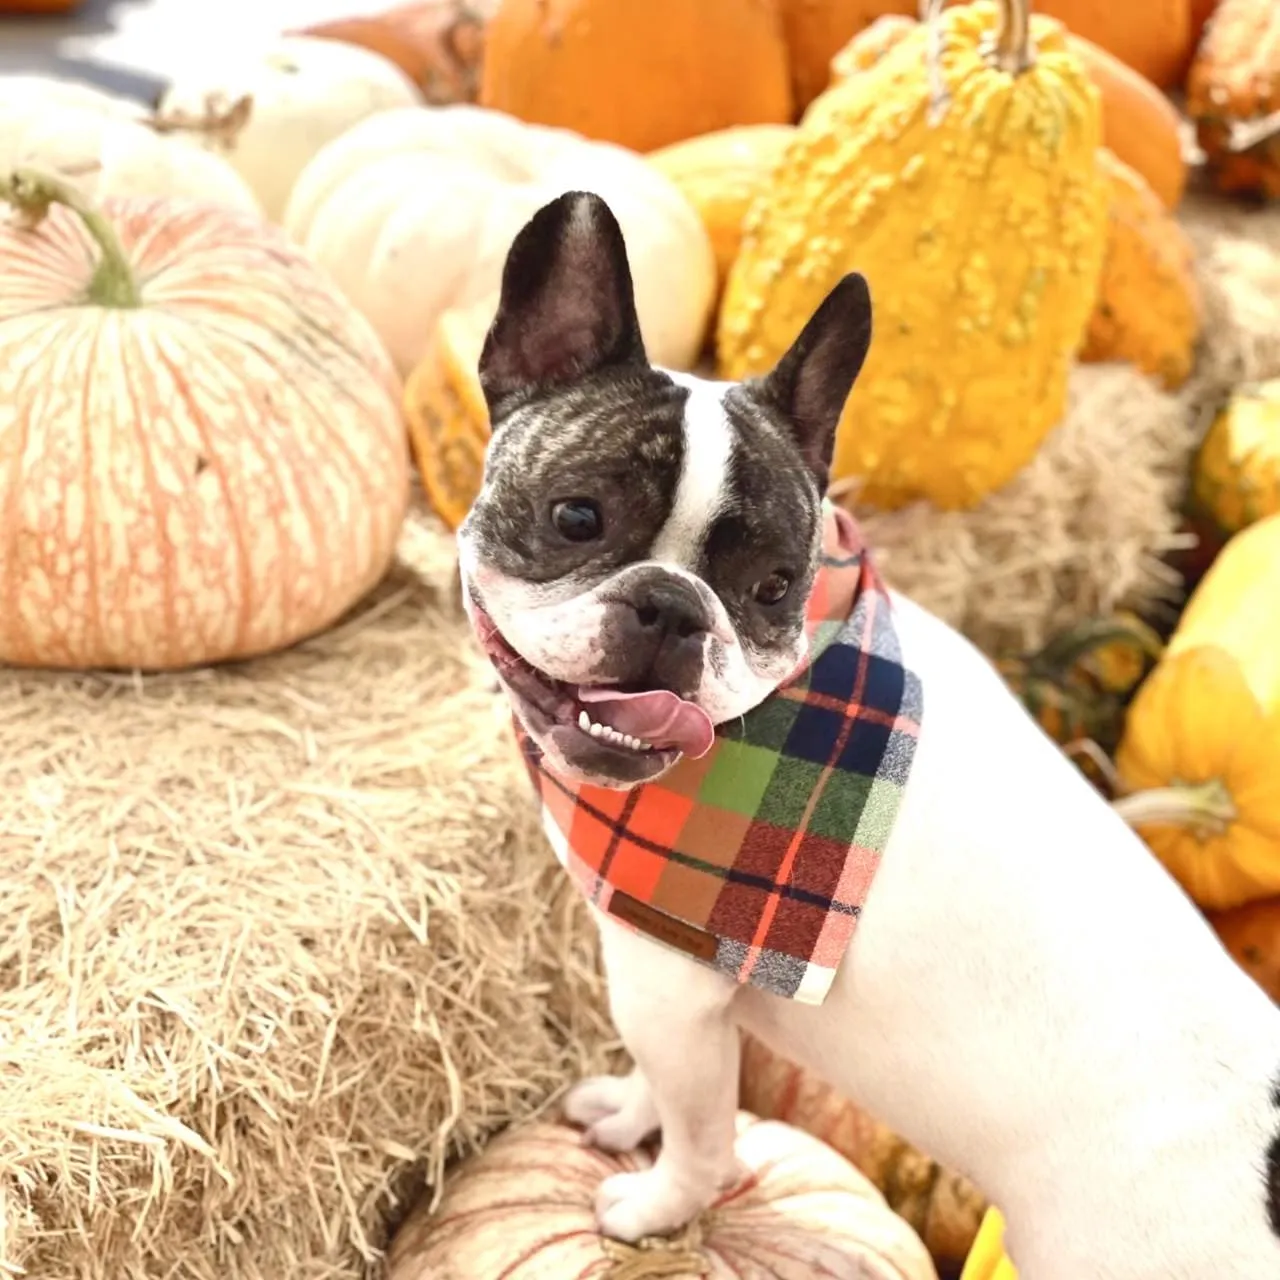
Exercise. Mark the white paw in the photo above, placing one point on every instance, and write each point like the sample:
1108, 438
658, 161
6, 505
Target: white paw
630, 1206
616, 1113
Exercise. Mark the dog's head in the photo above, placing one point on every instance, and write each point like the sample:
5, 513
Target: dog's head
639, 558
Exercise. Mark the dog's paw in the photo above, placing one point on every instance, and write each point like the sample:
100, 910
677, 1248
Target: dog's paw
630, 1206
616, 1113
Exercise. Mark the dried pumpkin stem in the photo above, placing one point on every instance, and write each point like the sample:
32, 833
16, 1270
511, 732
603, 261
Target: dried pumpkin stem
31, 193
1011, 51
1205, 807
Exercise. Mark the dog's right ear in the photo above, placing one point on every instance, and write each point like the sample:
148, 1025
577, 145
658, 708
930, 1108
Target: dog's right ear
567, 307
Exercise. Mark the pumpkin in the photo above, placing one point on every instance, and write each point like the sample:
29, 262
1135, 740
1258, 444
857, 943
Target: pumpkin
270, 110
1077, 684
1153, 37
523, 1209
941, 1206
1202, 735
1236, 478
719, 174
977, 317
412, 213
201, 443
1233, 96
815, 31
1139, 124
988, 1260
445, 408
98, 144
438, 44
639, 74
1148, 310
1252, 935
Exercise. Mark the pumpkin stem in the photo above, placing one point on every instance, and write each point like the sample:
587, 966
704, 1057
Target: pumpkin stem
1011, 51
31, 193
1206, 807
221, 120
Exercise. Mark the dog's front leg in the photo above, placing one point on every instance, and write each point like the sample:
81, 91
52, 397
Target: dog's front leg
674, 1017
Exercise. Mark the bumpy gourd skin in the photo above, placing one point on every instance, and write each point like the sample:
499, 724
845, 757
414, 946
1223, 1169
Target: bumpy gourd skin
982, 237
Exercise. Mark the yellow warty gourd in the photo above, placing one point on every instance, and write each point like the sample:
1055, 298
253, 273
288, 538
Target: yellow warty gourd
1202, 737
981, 227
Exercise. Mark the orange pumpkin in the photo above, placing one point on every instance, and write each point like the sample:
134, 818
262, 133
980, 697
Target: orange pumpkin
522, 1209
438, 44
944, 1208
1252, 934
203, 456
641, 74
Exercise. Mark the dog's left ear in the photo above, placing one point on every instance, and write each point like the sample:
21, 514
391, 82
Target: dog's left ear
811, 382
567, 307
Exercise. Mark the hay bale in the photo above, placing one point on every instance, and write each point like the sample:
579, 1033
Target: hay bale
1088, 525
277, 937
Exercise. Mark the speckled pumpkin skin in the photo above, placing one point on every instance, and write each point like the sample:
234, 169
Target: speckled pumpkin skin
982, 237
216, 473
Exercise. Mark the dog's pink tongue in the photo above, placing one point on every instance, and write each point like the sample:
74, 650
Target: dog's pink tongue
660, 718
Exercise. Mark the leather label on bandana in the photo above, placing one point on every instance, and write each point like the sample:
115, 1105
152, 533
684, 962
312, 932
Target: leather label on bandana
675, 933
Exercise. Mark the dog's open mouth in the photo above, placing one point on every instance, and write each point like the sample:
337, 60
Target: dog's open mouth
643, 722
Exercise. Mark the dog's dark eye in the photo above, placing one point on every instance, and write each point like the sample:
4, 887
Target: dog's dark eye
578, 519
773, 589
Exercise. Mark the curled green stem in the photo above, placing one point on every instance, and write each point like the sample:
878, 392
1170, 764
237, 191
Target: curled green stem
31, 193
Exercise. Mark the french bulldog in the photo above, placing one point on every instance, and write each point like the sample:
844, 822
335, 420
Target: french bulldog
1028, 996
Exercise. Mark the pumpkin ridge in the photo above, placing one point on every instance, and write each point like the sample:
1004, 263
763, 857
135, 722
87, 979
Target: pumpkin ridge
160, 504
89, 538
276, 461
200, 422
14, 487
321, 420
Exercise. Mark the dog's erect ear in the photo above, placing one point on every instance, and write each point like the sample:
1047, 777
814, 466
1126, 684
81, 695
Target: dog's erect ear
811, 382
567, 306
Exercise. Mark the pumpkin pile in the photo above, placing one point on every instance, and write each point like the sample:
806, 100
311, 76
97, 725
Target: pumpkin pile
232, 318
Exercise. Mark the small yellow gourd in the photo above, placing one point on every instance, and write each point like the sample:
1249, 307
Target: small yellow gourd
446, 411
1148, 310
720, 174
1237, 473
1202, 738
987, 1259
966, 189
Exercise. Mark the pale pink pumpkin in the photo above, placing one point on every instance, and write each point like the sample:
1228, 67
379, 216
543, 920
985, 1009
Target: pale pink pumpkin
522, 1210
202, 455
941, 1205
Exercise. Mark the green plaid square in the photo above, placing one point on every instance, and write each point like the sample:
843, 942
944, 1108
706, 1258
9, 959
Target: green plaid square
738, 778
876, 820
789, 792
843, 800
768, 725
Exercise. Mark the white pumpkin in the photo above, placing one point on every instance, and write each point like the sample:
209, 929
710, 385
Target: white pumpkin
522, 1209
21, 89
413, 211
105, 153
270, 109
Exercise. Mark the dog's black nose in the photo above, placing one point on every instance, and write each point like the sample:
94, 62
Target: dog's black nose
671, 607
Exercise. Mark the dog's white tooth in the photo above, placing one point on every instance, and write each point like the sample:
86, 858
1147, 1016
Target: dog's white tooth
584, 722
596, 731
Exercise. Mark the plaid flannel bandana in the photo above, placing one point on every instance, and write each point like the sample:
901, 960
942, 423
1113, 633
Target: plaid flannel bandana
757, 857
